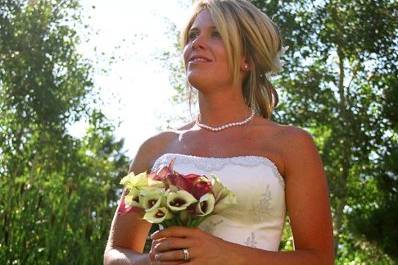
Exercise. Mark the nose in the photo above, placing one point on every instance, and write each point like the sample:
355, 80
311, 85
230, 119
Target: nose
199, 42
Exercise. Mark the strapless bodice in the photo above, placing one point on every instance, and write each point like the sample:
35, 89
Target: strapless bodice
258, 218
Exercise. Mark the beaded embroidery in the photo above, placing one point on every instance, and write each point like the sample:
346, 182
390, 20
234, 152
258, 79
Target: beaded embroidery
210, 164
251, 240
261, 209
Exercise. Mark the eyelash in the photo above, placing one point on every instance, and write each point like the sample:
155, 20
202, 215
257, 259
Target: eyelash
216, 34
193, 35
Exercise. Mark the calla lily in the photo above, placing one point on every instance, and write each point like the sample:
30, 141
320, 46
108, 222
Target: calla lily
155, 183
151, 198
227, 201
158, 215
195, 184
172, 188
218, 189
179, 200
205, 205
163, 172
132, 198
200, 187
224, 198
135, 181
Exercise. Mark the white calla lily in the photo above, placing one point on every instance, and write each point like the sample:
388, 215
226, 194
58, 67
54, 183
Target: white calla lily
155, 183
227, 201
131, 199
217, 187
135, 181
205, 205
158, 215
224, 198
151, 198
179, 200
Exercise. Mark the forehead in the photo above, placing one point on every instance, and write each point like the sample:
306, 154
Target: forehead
203, 20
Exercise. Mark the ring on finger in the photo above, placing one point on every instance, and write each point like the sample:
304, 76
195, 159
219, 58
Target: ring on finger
185, 252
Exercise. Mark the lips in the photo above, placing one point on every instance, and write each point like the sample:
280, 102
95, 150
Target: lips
199, 59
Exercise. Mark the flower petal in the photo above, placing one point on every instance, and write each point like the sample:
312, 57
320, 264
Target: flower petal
180, 200
151, 198
205, 205
131, 199
158, 215
133, 181
226, 202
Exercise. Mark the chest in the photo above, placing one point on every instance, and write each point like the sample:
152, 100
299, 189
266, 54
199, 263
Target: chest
228, 144
218, 145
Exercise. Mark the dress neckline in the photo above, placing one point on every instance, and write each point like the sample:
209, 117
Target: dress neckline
262, 159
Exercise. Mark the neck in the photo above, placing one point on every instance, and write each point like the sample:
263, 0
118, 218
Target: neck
222, 106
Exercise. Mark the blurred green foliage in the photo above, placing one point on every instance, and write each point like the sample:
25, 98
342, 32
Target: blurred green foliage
340, 83
57, 192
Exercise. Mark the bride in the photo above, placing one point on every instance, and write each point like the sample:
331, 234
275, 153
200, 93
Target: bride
230, 47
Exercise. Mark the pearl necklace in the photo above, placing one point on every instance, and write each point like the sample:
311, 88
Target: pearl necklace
225, 126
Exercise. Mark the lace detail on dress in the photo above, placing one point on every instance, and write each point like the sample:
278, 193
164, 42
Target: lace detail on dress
251, 240
261, 210
210, 164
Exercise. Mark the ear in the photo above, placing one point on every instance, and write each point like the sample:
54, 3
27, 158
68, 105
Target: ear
244, 65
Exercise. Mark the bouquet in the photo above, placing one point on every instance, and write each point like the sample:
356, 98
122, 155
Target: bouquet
169, 198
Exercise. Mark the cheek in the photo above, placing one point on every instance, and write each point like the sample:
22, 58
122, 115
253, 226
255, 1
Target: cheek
223, 57
185, 54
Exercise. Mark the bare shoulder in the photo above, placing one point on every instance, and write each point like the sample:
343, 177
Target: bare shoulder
292, 137
150, 150
154, 147
287, 137
299, 150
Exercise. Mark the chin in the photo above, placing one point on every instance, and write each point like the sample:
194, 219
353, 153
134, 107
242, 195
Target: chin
201, 82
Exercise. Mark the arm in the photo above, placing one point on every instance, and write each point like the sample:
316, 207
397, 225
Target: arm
308, 207
128, 232
307, 204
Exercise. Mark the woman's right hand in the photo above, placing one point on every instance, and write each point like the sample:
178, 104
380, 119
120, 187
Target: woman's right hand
153, 261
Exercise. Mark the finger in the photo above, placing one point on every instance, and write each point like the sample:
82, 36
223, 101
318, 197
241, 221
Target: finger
174, 255
154, 261
174, 231
166, 262
172, 243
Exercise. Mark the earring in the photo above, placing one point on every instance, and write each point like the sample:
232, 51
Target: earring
246, 66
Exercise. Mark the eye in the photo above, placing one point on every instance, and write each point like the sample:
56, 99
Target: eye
192, 35
216, 34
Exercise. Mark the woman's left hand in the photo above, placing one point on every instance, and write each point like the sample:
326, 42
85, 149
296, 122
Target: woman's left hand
202, 247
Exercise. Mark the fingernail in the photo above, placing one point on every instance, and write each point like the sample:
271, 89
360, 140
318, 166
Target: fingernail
153, 234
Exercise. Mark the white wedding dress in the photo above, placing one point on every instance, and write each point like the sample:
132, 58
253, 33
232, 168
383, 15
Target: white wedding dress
258, 218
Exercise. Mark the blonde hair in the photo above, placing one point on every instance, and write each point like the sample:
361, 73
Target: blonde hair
246, 31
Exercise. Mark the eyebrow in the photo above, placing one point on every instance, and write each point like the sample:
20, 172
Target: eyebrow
197, 29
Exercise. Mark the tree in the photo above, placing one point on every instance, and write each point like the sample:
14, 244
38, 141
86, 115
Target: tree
57, 193
341, 62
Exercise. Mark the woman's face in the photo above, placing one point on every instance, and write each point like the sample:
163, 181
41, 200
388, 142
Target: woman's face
205, 57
